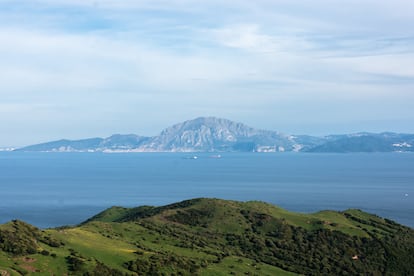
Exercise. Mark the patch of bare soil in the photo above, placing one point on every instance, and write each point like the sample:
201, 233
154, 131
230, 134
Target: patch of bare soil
4, 273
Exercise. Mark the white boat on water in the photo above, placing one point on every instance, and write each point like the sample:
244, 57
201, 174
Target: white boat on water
191, 157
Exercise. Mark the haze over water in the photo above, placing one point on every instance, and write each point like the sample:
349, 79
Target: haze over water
53, 189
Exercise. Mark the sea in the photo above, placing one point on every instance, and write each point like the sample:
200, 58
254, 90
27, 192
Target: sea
56, 189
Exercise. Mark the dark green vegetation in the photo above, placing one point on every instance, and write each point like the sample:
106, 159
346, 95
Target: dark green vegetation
211, 237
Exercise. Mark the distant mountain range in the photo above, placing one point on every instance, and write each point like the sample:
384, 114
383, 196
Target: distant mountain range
210, 134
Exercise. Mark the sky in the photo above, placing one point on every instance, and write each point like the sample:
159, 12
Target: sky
78, 68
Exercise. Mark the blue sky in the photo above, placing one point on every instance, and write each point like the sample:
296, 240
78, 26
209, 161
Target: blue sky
79, 68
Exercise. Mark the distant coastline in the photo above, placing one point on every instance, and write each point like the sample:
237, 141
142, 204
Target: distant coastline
7, 149
210, 134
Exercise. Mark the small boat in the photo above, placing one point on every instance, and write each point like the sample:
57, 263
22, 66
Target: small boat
191, 157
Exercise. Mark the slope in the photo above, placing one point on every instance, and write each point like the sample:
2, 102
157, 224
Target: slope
209, 236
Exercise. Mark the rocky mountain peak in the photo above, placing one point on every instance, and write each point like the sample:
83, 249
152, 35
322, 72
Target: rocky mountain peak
211, 134
203, 133
211, 123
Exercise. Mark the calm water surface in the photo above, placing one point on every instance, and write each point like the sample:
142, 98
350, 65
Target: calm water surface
53, 189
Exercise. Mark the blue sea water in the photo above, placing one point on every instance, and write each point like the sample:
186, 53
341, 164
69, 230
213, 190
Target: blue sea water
54, 189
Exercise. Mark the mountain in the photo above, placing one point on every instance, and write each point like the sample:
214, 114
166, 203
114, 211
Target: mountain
116, 142
211, 237
367, 142
215, 134
206, 134
210, 134
66, 145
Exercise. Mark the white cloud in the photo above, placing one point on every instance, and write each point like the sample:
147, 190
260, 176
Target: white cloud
391, 65
246, 37
122, 62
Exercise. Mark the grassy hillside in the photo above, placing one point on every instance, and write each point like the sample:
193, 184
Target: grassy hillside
211, 237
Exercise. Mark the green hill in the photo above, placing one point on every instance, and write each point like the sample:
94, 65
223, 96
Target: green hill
211, 237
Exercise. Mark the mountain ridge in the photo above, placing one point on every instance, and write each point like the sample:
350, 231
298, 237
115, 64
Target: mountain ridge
209, 236
211, 134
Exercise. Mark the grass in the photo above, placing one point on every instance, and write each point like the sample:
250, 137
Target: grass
113, 252
331, 220
219, 237
7, 265
243, 266
337, 221
225, 216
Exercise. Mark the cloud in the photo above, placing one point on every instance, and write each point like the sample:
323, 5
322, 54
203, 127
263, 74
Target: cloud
100, 65
393, 65
244, 37
249, 37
